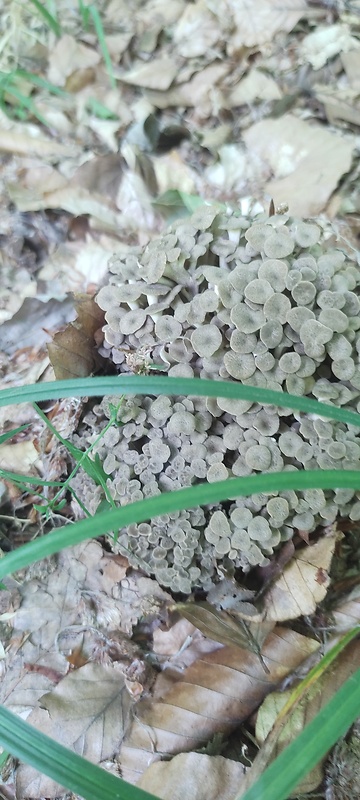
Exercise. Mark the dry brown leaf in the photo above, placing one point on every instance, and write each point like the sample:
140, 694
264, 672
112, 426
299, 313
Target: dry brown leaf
195, 776
67, 56
82, 589
247, 631
351, 64
28, 674
72, 352
314, 700
181, 645
29, 324
199, 92
158, 73
347, 613
255, 86
214, 694
306, 159
339, 104
326, 42
26, 145
21, 457
88, 712
101, 174
303, 583
258, 23
197, 31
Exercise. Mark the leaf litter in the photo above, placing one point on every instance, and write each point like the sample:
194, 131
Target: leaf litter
264, 105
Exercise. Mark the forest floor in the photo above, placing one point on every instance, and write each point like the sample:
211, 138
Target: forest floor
117, 118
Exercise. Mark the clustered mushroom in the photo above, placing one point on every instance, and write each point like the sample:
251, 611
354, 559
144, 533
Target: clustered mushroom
269, 303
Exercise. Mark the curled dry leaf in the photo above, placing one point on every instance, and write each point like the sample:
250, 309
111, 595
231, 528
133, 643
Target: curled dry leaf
304, 581
195, 776
317, 696
72, 352
245, 630
214, 694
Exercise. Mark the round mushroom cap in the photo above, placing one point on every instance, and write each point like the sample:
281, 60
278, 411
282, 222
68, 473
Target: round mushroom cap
206, 340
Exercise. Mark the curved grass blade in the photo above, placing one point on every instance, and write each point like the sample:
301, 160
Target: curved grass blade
159, 384
51, 22
75, 773
203, 494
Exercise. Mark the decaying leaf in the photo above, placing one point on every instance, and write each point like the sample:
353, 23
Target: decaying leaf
316, 697
247, 631
72, 352
347, 613
195, 776
303, 583
88, 712
213, 694
306, 159
158, 73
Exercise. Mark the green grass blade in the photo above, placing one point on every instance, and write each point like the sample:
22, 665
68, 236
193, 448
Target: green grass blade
168, 502
37, 80
75, 773
9, 434
27, 479
102, 42
297, 760
51, 22
159, 384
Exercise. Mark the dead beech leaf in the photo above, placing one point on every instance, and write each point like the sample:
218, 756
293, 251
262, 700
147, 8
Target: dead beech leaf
158, 73
194, 775
25, 145
326, 42
21, 457
72, 352
347, 613
256, 24
67, 56
213, 694
256, 85
303, 583
306, 160
88, 712
246, 631
317, 696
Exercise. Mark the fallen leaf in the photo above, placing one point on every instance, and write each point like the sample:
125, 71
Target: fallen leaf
326, 42
255, 86
317, 696
197, 31
213, 694
158, 73
87, 712
306, 159
247, 631
25, 145
67, 56
72, 352
351, 64
303, 583
21, 457
195, 776
30, 323
257, 24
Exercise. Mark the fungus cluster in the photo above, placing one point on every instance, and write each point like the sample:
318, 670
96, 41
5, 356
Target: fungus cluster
219, 296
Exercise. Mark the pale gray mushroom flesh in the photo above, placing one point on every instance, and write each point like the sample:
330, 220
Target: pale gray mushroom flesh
271, 302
